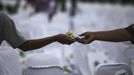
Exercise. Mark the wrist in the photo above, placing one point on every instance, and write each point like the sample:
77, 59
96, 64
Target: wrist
96, 36
56, 38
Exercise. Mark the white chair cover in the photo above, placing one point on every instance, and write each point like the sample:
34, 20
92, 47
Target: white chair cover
70, 74
3, 69
41, 59
10, 60
129, 53
50, 70
113, 69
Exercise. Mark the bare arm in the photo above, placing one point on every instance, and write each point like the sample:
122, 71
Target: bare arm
117, 35
38, 43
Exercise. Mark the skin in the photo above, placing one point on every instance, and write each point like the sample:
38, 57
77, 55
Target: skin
118, 35
38, 43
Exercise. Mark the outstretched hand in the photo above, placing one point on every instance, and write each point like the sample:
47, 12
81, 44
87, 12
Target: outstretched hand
86, 38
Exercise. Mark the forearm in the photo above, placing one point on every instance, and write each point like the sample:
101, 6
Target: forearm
113, 36
38, 43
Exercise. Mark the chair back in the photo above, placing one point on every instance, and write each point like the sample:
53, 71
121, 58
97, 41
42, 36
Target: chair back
113, 69
10, 59
41, 59
44, 70
3, 68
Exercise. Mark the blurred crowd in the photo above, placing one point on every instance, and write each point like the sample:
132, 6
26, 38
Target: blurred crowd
52, 6
46, 6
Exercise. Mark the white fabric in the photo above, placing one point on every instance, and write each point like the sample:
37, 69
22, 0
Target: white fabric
41, 59
3, 68
113, 50
113, 69
51, 70
10, 59
96, 57
129, 53
80, 58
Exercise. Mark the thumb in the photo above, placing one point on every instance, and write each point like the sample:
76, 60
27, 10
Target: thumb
83, 34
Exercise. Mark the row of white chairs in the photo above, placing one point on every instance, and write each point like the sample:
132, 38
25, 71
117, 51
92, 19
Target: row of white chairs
9, 65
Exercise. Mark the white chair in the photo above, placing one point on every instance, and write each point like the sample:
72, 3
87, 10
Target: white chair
129, 54
50, 70
9, 65
3, 68
42, 59
113, 69
10, 58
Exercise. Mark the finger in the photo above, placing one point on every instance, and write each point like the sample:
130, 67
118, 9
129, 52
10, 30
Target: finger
86, 40
83, 41
80, 39
83, 34
70, 41
77, 38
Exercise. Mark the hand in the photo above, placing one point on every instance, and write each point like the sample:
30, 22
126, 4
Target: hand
64, 39
87, 38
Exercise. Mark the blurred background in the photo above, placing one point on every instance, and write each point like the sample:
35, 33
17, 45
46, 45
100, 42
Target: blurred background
42, 18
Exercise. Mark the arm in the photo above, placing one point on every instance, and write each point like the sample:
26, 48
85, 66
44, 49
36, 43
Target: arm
38, 43
10, 34
117, 35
